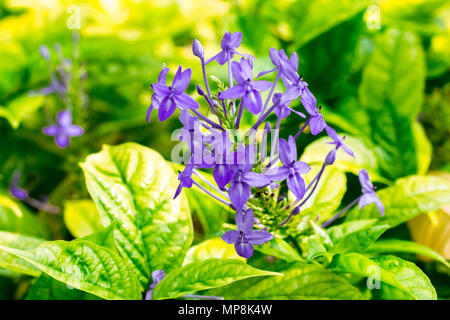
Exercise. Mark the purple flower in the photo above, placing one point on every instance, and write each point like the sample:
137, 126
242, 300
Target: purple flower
229, 43
14, 188
369, 196
222, 172
282, 110
157, 277
64, 129
291, 169
242, 178
244, 238
185, 178
246, 88
54, 86
156, 99
170, 97
338, 141
44, 52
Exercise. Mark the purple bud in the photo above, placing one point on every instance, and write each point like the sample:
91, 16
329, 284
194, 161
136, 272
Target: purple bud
331, 157
44, 52
200, 91
197, 49
296, 211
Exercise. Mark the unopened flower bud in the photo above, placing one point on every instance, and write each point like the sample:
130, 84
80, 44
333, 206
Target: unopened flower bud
200, 91
197, 49
296, 211
331, 157
44, 52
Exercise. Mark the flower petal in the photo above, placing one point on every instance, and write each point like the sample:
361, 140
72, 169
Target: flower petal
252, 101
51, 130
258, 237
308, 101
222, 58
181, 80
256, 179
62, 140
231, 236
369, 198
285, 152
232, 93
73, 130
244, 249
166, 109
64, 118
185, 101
161, 89
235, 40
296, 185
245, 221
222, 175
316, 124
277, 174
239, 194
302, 167
261, 85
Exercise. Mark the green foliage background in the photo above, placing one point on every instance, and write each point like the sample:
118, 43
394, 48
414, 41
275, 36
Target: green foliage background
386, 88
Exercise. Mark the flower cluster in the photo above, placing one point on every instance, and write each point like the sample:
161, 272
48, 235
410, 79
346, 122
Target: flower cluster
242, 172
67, 84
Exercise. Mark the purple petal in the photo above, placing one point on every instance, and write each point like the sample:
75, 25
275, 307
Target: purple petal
244, 249
369, 198
148, 295
239, 194
275, 57
235, 40
245, 221
256, 179
62, 140
73, 130
258, 237
291, 93
309, 101
64, 118
231, 236
232, 93
252, 101
302, 167
265, 72
261, 85
296, 185
277, 174
225, 40
292, 149
157, 276
163, 74
237, 72
285, 152
181, 80
161, 89
166, 109
222, 175
316, 124
149, 113
297, 112
247, 73
18, 193
294, 61
222, 58
364, 180
51, 130
185, 101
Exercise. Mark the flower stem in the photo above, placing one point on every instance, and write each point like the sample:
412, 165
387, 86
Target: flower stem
212, 123
337, 215
198, 174
270, 95
239, 117
211, 194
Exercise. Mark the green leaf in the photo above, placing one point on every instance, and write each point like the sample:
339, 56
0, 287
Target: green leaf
346, 228
21, 107
360, 240
280, 249
47, 288
134, 185
395, 246
300, 282
81, 217
315, 249
15, 217
321, 15
423, 147
315, 153
104, 238
392, 93
328, 194
12, 262
400, 279
83, 265
204, 275
211, 248
406, 199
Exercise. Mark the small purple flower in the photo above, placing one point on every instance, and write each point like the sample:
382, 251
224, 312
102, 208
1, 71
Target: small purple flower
230, 42
369, 196
197, 49
291, 169
244, 238
157, 277
156, 99
44, 52
171, 97
185, 178
282, 110
54, 86
14, 188
338, 141
64, 129
242, 178
246, 88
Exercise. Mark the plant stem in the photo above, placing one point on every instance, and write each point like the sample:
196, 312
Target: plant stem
211, 194
337, 215
270, 95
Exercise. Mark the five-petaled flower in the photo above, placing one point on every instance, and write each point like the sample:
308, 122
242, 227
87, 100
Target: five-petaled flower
246, 88
244, 238
291, 169
229, 43
171, 97
64, 129
156, 99
369, 196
